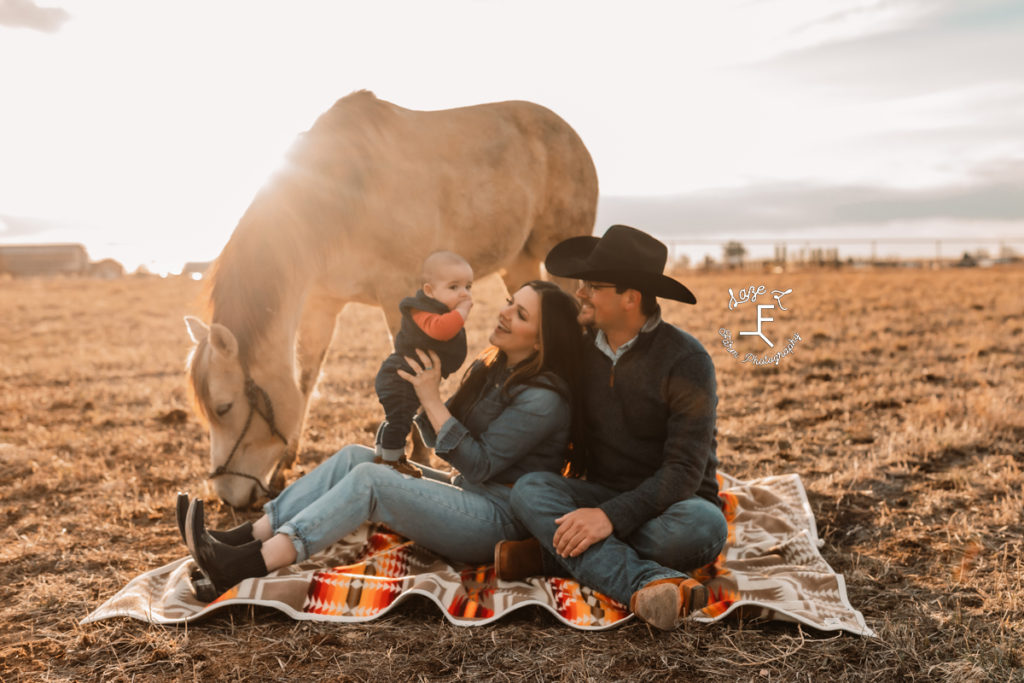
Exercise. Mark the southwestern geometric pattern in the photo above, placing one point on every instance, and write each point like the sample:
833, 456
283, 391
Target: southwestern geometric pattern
770, 568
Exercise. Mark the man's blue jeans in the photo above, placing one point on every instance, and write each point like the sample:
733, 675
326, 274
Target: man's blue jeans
688, 535
461, 524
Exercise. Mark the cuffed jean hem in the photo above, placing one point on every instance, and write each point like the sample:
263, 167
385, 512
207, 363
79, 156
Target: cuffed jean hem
298, 542
301, 547
270, 510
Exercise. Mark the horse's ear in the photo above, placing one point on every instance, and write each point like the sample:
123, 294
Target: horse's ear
223, 341
197, 329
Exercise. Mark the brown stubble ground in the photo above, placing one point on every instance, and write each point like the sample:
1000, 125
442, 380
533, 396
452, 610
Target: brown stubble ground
901, 409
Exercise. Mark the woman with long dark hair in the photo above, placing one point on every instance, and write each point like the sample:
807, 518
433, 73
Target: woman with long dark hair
516, 411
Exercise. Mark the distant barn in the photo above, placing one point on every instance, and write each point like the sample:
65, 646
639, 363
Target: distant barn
107, 269
44, 260
23, 260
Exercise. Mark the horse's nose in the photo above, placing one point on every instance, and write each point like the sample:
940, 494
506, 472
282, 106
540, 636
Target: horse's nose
235, 491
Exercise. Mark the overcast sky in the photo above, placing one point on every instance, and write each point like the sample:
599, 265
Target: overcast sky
143, 129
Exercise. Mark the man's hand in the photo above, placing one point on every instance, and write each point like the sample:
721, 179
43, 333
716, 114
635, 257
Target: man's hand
580, 529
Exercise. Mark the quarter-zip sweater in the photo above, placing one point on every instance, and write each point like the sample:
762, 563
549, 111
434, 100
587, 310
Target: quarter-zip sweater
650, 425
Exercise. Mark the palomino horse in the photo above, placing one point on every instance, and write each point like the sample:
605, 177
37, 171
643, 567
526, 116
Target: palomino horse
363, 197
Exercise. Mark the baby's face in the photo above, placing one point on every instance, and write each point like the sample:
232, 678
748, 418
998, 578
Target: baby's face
451, 284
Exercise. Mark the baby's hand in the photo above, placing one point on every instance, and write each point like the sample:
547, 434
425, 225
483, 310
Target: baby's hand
463, 308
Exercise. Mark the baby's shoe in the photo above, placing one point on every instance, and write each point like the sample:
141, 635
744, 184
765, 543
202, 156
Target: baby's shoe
402, 465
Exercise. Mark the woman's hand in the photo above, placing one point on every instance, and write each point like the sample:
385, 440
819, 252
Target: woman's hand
425, 377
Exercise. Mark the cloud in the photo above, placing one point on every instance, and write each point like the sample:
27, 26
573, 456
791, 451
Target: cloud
931, 47
991, 194
27, 14
20, 227
856, 20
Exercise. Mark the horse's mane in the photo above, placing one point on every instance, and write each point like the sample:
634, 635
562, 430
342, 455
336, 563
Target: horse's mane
282, 238
255, 270
199, 385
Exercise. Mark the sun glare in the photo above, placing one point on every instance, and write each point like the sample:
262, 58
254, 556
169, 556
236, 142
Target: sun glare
164, 146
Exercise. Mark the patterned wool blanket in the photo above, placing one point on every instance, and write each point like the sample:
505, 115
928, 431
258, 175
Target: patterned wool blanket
770, 568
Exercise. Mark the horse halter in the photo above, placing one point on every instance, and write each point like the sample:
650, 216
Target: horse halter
259, 402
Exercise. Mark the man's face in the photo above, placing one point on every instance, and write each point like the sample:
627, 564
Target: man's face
600, 305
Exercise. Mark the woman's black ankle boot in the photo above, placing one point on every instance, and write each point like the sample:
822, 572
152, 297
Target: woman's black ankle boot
238, 535
224, 565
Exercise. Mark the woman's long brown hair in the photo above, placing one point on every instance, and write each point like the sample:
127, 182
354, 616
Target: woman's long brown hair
560, 353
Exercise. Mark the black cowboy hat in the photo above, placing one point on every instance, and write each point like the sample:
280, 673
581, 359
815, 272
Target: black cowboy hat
623, 256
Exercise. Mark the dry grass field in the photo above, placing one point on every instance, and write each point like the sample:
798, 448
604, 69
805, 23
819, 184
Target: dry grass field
902, 408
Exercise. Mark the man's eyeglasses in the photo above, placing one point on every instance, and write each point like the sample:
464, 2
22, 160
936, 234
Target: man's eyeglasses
589, 287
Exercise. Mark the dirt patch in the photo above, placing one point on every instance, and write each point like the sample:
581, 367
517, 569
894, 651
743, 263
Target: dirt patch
901, 410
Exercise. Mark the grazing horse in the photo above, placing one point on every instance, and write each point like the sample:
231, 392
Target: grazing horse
363, 197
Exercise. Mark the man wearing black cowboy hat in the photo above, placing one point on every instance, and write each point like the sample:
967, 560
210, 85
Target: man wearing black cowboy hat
648, 509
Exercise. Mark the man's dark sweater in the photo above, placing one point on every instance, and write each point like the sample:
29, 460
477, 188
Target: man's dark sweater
650, 423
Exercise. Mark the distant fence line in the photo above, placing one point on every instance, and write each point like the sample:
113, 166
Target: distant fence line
813, 245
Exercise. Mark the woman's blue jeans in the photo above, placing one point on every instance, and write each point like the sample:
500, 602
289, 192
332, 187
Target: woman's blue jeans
688, 535
347, 489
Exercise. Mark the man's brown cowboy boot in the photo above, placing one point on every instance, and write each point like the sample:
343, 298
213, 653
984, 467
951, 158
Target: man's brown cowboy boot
664, 603
517, 560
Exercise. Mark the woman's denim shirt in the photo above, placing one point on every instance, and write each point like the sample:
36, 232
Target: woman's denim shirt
500, 439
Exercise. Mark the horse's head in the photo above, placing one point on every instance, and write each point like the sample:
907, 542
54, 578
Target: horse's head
254, 416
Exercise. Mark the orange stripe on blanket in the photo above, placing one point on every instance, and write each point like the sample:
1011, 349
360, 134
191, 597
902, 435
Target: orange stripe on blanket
334, 593
477, 602
720, 600
585, 610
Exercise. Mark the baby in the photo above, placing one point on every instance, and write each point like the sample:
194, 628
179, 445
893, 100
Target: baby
433, 319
